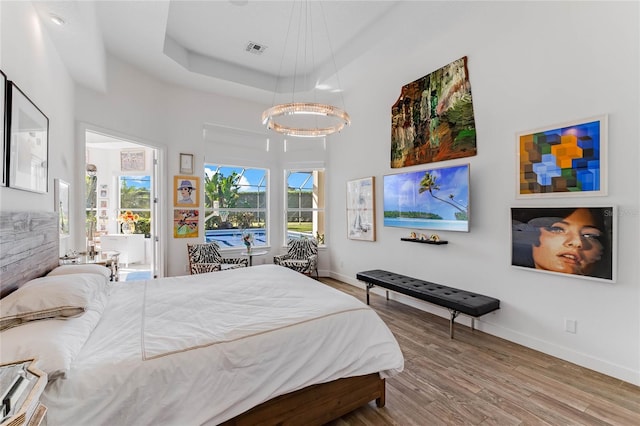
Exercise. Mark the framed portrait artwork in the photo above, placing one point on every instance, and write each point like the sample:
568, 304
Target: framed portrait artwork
186, 191
3, 102
104, 191
186, 164
361, 209
61, 200
185, 223
132, 160
575, 241
28, 142
563, 160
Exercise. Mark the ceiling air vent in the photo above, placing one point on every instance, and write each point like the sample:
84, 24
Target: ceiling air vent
255, 48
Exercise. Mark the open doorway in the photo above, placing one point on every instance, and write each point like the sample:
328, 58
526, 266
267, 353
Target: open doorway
121, 203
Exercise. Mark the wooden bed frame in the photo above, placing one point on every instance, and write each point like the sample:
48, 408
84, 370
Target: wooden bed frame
316, 404
29, 249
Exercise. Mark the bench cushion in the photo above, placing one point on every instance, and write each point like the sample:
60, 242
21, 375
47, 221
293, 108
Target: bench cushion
468, 303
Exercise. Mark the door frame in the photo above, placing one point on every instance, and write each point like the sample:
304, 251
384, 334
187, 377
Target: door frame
158, 198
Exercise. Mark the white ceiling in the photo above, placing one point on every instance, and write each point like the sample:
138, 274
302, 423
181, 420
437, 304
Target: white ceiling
202, 44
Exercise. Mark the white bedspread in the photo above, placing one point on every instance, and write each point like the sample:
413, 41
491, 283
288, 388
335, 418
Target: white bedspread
205, 348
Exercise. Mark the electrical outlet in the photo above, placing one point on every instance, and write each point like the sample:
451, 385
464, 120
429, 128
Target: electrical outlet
570, 325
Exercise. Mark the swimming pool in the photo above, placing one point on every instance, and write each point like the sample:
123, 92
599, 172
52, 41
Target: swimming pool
230, 238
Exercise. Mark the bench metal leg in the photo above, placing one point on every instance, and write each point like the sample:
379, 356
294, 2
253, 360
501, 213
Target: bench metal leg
454, 314
473, 323
369, 286
387, 294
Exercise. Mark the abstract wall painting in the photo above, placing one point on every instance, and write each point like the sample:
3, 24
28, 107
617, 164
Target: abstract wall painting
185, 223
563, 160
433, 118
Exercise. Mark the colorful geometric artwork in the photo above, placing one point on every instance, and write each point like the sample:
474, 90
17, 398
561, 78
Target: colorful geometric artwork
433, 119
562, 161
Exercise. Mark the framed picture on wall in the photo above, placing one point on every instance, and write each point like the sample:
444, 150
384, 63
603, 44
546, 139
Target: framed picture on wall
132, 160
361, 209
186, 191
3, 101
104, 191
577, 241
61, 200
185, 223
563, 160
28, 143
186, 164
104, 203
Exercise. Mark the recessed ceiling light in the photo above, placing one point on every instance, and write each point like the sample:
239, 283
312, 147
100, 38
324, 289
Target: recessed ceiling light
58, 20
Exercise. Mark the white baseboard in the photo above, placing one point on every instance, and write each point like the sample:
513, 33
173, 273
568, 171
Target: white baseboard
485, 325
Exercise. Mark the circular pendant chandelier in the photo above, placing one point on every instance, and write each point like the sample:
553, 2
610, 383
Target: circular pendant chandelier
305, 119
335, 119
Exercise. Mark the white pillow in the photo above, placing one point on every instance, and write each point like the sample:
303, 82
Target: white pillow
54, 343
81, 269
51, 297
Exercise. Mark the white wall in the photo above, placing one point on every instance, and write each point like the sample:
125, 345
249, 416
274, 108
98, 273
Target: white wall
29, 59
530, 65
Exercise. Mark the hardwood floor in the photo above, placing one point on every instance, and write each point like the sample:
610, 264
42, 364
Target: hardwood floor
479, 379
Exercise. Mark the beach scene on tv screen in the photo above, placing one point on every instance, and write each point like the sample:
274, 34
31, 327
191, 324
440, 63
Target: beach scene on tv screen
436, 199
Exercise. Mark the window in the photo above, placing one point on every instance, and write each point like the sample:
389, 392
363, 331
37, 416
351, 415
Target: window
235, 202
305, 204
135, 197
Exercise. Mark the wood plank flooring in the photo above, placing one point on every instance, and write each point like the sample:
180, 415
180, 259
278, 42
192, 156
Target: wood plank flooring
479, 379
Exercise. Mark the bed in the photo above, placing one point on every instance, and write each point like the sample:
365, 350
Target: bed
226, 347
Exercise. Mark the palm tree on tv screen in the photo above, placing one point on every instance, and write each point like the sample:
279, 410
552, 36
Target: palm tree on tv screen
429, 184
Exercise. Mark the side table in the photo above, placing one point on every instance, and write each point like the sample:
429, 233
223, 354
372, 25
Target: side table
27, 409
252, 253
109, 259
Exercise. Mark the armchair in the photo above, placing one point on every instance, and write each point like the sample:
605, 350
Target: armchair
207, 258
301, 256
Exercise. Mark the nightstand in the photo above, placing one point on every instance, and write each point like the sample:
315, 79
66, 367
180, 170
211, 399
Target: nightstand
27, 409
109, 259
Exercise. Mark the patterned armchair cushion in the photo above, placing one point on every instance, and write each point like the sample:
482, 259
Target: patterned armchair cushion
301, 256
203, 268
207, 258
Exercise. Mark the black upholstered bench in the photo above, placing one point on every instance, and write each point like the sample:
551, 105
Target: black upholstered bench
455, 300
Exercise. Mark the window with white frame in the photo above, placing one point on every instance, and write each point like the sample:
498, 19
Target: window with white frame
235, 203
305, 206
135, 203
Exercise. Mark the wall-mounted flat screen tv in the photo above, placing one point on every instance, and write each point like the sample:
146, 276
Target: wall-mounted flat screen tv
436, 199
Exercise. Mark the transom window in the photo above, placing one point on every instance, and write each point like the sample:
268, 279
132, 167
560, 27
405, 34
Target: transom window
235, 202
